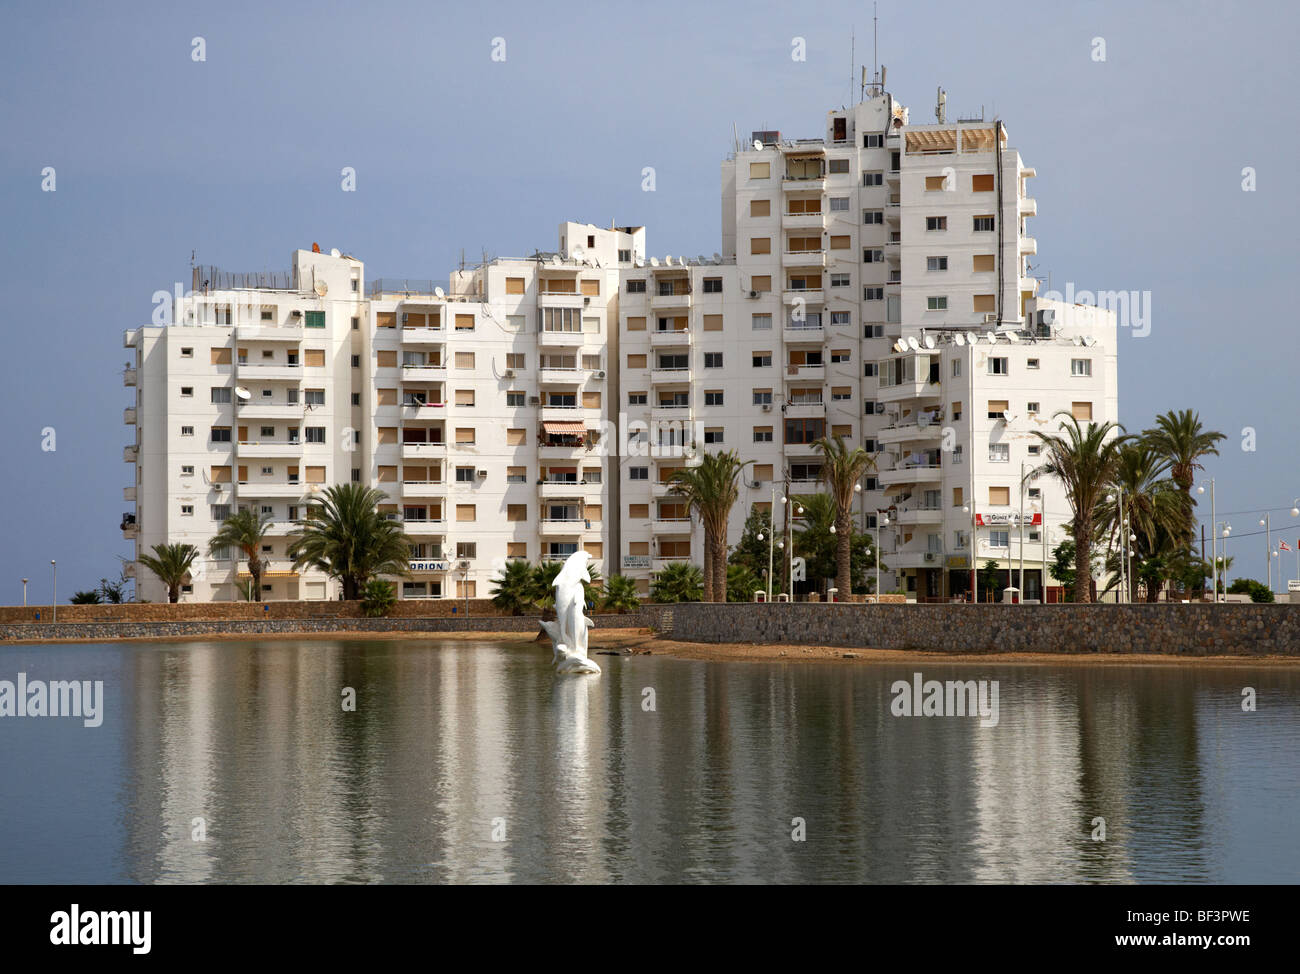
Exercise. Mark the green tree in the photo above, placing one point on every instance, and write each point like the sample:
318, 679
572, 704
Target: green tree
1062, 568
742, 583
1150, 506
991, 579
345, 536
172, 564
244, 530
378, 598
620, 595
1084, 460
842, 471
514, 589
86, 598
1258, 591
681, 581
711, 488
751, 551
1182, 441
818, 543
543, 586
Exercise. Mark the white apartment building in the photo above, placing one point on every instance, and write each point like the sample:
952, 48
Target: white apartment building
537, 405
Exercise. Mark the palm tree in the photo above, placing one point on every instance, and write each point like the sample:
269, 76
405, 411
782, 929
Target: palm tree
1181, 439
345, 536
244, 530
842, 470
171, 563
620, 595
711, 490
1153, 506
514, 588
1085, 461
681, 581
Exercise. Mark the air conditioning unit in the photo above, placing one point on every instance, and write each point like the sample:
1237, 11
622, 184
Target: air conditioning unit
218, 488
482, 474
600, 373
758, 484
586, 301
990, 318
509, 373
462, 565
753, 294
767, 407
929, 556
1047, 316
295, 313
533, 400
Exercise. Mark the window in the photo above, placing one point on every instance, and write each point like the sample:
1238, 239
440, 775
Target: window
840, 355
873, 256
984, 303
873, 331
997, 408
839, 204
466, 549
936, 223
1032, 407
838, 166
187, 392
761, 322
760, 208
1031, 363
187, 510
804, 430
956, 368
713, 435
465, 322
465, 436
873, 294
1078, 367
187, 470
956, 412
187, 431
760, 283
873, 140
869, 444
998, 365
220, 395
760, 170
999, 539
1082, 411
873, 178
713, 397
983, 224
636, 286
464, 397
936, 263
314, 434
937, 302
982, 183
514, 398
1034, 449
762, 397
713, 285
464, 360
314, 319
1035, 493
188, 353
936, 183
999, 453
638, 473
514, 360
760, 245
636, 398
873, 217
314, 397
956, 454
713, 360
220, 511
356, 322
356, 361
841, 393
981, 263
840, 280
1000, 496
762, 434
762, 360
220, 434
870, 370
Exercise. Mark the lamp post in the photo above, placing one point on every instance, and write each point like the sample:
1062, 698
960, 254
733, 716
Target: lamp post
1295, 512
1122, 595
1214, 541
1266, 522
54, 614
974, 579
1022, 532
24, 593
1223, 554
882, 521
771, 538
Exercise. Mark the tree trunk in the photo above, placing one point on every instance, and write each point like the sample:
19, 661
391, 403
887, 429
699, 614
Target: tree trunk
173, 593
255, 569
1082, 564
720, 566
708, 565
843, 553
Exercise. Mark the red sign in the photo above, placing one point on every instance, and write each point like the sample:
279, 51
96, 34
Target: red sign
1007, 520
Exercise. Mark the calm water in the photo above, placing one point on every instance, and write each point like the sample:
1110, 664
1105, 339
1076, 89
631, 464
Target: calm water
451, 741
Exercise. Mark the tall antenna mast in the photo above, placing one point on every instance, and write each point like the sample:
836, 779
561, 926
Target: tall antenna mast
853, 60
875, 57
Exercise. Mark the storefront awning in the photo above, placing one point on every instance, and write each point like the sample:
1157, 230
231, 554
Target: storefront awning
577, 429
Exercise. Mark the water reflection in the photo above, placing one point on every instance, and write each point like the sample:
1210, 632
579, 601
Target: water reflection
476, 763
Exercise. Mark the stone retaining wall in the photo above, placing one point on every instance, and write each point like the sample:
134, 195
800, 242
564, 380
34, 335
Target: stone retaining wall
1197, 629
196, 629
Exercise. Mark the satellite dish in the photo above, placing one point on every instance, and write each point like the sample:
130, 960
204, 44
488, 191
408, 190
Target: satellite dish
578, 253
717, 258
1089, 341
668, 261
322, 288
438, 292
1012, 336
654, 261
640, 262
913, 344
959, 339
334, 252
898, 346
758, 146
682, 261
555, 259
991, 338
243, 394
929, 341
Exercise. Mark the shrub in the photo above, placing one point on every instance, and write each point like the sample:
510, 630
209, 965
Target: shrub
377, 598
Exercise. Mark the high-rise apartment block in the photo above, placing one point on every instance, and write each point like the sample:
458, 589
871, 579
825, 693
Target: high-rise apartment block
872, 284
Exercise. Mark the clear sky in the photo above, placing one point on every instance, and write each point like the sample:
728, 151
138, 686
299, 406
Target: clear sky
238, 157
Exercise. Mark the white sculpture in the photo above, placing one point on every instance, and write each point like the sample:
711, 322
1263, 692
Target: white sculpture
569, 630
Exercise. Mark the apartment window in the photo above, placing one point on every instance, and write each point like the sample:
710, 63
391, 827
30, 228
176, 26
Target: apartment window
983, 224
956, 368
187, 470
762, 397
873, 178
1031, 363
514, 398
762, 434
356, 399
189, 353
516, 475
873, 294
187, 392
314, 319
999, 453
1082, 411
356, 361
936, 302
465, 322
999, 539
220, 395
873, 140
187, 431
997, 408
1000, 496
841, 280
873, 331
713, 360
869, 408
804, 430
1032, 407
356, 324
840, 355
220, 434
713, 285
713, 435
464, 397
187, 510
314, 434
839, 166
956, 454
266, 472
956, 412
762, 360
871, 483
466, 549
1034, 493
1081, 367
869, 444
936, 183
636, 398
760, 245
1034, 449
638, 473
761, 322
713, 397
515, 360
636, 286
760, 170
841, 393
465, 436
873, 256
870, 370
982, 263
998, 365
936, 223
839, 204
314, 397
873, 218
936, 263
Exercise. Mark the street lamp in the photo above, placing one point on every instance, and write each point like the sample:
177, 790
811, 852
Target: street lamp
1266, 522
24, 593
54, 614
881, 522
1214, 542
974, 578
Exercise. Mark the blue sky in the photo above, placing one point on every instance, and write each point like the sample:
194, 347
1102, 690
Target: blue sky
1140, 161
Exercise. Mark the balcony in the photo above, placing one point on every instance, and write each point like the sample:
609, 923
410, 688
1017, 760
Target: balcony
1028, 206
919, 515
270, 566
670, 414
561, 527
560, 339
910, 432
129, 337
803, 184
803, 258
911, 558
128, 493
259, 372
562, 299
258, 409
922, 389
805, 410
670, 338
423, 488
892, 177
423, 336
562, 414
661, 488
805, 373
911, 474
560, 377
806, 332
801, 451
422, 410
671, 525
131, 454
253, 449
670, 376
558, 453
1028, 245
803, 221
424, 527
668, 302
424, 451
128, 416
129, 377
659, 564
806, 295
283, 529
424, 373
565, 488
270, 333
274, 489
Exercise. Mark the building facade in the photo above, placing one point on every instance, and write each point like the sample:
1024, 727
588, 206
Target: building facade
537, 406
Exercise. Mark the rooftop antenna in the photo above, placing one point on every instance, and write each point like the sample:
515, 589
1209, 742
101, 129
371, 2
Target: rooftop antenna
941, 107
853, 59
875, 58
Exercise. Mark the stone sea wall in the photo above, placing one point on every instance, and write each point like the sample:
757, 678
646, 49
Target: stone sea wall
1198, 629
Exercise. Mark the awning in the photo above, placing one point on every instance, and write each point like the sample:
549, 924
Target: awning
579, 429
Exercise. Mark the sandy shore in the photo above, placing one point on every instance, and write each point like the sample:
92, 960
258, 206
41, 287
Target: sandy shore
636, 642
